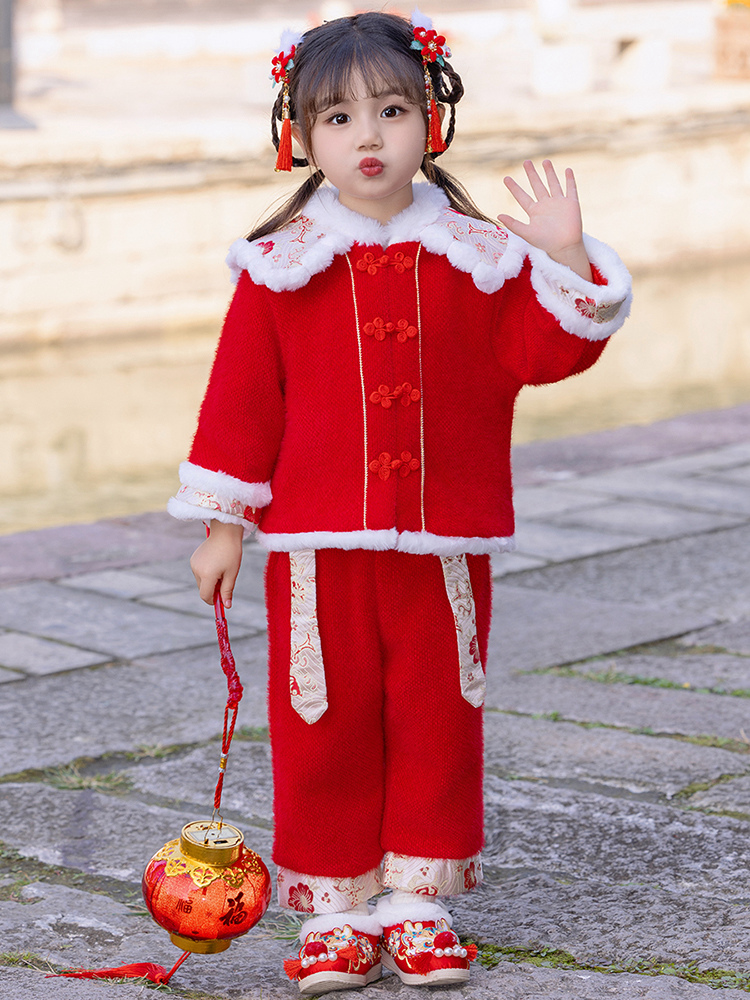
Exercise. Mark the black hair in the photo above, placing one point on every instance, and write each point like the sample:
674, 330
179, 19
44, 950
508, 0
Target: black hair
375, 48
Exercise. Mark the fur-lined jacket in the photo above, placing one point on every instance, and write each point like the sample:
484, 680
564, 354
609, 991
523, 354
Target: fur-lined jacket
363, 388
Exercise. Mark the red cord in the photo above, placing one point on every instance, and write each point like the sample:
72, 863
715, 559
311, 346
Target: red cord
234, 690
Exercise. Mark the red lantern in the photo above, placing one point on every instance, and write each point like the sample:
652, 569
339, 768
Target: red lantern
206, 888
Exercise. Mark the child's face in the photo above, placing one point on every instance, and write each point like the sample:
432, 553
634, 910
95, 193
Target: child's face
370, 148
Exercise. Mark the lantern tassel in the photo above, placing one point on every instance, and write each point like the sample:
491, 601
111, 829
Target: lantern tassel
436, 141
156, 974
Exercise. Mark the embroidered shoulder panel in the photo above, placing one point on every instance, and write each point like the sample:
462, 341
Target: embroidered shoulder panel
287, 259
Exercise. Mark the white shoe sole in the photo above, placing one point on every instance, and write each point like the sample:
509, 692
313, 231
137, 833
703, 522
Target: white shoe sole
324, 982
436, 976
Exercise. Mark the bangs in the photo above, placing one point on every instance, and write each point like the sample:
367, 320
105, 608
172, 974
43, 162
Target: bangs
355, 64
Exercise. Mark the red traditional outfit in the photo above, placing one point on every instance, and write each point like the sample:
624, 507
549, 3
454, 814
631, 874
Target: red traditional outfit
359, 412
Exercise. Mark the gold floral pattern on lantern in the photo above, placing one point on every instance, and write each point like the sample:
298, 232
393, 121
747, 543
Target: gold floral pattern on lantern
201, 874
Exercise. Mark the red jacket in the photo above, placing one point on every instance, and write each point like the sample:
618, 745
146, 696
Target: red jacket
362, 396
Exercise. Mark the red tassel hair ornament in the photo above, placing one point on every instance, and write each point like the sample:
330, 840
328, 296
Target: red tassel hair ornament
284, 155
280, 66
432, 48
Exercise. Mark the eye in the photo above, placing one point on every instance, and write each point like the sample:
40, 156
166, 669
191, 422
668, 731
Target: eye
338, 119
392, 111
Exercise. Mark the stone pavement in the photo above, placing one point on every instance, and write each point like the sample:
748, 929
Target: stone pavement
617, 745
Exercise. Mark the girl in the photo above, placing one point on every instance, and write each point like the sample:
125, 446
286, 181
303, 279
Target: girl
359, 412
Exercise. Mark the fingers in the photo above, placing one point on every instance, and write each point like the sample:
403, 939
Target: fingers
513, 225
537, 184
227, 588
524, 200
571, 189
553, 188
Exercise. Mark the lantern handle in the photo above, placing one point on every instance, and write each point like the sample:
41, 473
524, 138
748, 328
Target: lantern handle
234, 696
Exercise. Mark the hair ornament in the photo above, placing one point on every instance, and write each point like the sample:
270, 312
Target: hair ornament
432, 48
280, 66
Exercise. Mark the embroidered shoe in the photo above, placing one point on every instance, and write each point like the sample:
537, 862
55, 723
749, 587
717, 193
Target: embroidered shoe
341, 958
418, 943
426, 952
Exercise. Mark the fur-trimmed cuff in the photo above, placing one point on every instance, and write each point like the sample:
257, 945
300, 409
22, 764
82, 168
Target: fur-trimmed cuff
581, 307
389, 913
184, 511
224, 485
365, 923
207, 495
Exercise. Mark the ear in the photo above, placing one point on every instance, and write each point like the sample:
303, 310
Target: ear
297, 136
441, 112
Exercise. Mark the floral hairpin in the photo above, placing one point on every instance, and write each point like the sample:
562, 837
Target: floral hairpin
280, 66
432, 48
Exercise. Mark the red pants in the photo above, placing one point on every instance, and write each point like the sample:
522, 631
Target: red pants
395, 762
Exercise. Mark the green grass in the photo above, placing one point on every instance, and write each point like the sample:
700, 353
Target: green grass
70, 777
490, 955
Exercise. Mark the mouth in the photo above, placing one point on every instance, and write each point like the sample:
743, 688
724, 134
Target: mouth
370, 167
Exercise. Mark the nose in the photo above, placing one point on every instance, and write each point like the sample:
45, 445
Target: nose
368, 135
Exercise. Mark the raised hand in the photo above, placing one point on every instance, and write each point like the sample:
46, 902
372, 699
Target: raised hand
555, 223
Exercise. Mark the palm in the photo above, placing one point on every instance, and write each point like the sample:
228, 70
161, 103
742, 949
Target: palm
555, 223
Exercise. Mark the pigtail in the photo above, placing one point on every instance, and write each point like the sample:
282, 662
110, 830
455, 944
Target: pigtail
457, 195
290, 209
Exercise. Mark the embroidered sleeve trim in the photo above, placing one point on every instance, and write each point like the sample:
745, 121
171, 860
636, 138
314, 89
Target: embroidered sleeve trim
581, 307
208, 495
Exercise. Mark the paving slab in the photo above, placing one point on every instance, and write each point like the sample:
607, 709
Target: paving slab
557, 543
82, 548
543, 501
18, 983
731, 797
245, 613
644, 520
43, 656
705, 573
100, 834
172, 698
721, 672
537, 748
734, 637
504, 563
601, 924
534, 628
704, 433
249, 582
191, 777
78, 929
103, 624
575, 834
694, 493
740, 474
117, 583
660, 710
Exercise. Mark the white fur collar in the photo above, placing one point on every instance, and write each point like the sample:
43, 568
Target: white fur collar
286, 260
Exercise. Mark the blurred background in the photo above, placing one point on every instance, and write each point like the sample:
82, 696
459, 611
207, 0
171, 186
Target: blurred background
134, 148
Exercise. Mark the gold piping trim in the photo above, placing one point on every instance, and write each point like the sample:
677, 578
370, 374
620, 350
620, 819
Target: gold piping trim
364, 391
421, 387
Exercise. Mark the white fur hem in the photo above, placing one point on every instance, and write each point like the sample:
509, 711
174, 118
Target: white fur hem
416, 542
363, 922
447, 545
225, 486
582, 308
389, 913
